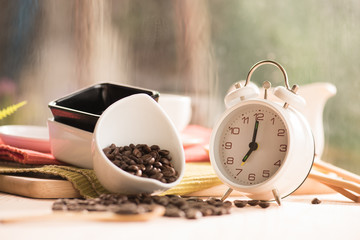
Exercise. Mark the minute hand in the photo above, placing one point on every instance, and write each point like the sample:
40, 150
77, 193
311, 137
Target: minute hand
255, 131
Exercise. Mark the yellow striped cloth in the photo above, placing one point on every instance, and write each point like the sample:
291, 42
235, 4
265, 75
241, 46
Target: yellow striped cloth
197, 177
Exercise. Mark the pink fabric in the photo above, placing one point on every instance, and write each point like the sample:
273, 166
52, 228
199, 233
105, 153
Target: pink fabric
197, 152
25, 156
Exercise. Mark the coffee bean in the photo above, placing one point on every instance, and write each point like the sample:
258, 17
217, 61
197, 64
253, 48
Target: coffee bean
138, 173
142, 167
165, 161
123, 166
151, 161
137, 152
117, 162
315, 201
171, 179
116, 151
158, 164
157, 176
146, 158
240, 203
264, 204
162, 200
127, 208
168, 171
227, 204
253, 202
127, 153
146, 148
133, 157
107, 151
155, 147
133, 168
164, 152
193, 213
174, 212
58, 207
149, 168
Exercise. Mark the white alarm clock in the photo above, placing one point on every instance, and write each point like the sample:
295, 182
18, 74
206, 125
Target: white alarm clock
261, 148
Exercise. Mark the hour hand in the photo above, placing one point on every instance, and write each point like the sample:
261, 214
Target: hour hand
253, 146
246, 156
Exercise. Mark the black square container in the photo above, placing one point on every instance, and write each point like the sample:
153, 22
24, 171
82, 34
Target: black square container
83, 108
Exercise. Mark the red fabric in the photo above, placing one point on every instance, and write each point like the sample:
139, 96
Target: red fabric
25, 156
196, 152
193, 152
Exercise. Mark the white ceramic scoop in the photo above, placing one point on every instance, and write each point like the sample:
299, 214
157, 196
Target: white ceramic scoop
136, 119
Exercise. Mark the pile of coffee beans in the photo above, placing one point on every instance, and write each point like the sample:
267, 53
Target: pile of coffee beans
143, 161
193, 208
119, 204
175, 206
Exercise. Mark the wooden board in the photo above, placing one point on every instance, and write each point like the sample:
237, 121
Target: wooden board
50, 188
37, 187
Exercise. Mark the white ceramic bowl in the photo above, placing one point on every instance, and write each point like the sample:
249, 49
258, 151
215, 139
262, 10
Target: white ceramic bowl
136, 119
28, 137
178, 108
71, 145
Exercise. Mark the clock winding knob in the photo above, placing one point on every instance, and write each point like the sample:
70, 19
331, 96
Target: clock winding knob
241, 93
289, 96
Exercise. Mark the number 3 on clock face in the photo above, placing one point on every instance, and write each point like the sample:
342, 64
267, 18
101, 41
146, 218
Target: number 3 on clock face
252, 144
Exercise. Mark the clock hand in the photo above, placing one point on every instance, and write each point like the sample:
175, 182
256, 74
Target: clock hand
255, 131
247, 155
252, 145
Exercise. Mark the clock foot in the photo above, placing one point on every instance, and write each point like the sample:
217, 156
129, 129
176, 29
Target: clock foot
276, 196
226, 194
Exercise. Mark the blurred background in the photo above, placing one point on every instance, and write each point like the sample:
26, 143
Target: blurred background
50, 48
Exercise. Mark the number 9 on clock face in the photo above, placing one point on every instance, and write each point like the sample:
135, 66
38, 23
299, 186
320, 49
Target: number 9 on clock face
251, 144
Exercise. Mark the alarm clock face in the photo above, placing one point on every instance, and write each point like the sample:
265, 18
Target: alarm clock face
251, 143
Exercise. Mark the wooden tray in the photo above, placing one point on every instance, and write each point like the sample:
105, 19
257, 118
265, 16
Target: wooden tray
37, 187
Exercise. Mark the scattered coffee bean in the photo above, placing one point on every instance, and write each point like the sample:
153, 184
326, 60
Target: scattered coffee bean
173, 212
126, 208
263, 204
240, 203
192, 213
143, 161
253, 202
315, 201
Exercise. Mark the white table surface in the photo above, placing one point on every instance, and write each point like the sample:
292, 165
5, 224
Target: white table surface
335, 218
